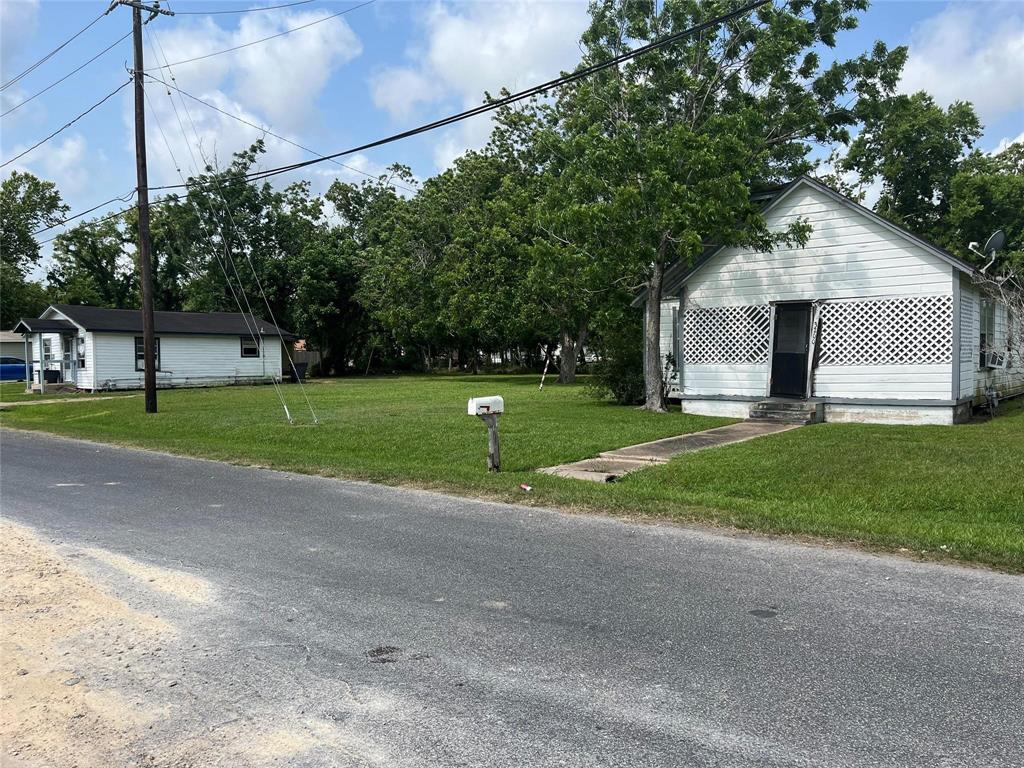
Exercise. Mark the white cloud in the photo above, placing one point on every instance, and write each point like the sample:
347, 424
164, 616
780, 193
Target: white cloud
1006, 142
283, 77
400, 90
19, 20
202, 137
274, 84
970, 53
65, 163
476, 48
469, 134
356, 169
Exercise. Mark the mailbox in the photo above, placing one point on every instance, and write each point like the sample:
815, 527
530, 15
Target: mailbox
485, 406
488, 409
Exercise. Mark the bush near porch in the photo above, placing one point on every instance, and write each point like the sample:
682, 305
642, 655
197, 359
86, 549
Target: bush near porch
940, 492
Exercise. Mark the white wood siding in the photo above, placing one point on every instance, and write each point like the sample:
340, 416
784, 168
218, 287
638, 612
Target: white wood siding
86, 377
185, 360
969, 339
732, 380
666, 336
36, 353
847, 256
903, 382
974, 380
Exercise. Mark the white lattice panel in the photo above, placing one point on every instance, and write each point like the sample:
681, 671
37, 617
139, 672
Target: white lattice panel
913, 330
725, 335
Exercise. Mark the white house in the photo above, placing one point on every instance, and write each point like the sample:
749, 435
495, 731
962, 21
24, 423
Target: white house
96, 348
866, 322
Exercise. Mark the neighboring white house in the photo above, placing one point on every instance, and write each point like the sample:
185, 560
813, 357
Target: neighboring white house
97, 348
12, 345
866, 322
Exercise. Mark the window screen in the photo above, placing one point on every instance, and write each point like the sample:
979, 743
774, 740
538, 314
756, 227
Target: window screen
250, 346
140, 354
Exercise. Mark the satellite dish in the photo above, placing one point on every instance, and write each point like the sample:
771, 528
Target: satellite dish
995, 242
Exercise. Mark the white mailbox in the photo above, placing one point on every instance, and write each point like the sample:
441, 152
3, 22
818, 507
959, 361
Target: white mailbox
485, 406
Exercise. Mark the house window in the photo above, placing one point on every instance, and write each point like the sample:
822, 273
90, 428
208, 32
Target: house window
140, 354
47, 349
250, 346
987, 330
80, 353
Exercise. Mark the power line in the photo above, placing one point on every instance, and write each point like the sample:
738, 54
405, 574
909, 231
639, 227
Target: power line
495, 104
243, 10
100, 220
490, 106
267, 131
66, 125
264, 39
227, 250
50, 55
69, 74
123, 198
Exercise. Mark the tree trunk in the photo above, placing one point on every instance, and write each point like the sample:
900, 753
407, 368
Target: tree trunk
653, 385
571, 346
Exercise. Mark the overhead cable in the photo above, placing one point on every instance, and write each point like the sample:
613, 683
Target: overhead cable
495, 104
66, 125
241, 10
264, 39
50, 55
69, 74
267, 131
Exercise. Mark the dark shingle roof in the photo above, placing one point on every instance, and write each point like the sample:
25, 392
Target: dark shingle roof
43, 325
193, 323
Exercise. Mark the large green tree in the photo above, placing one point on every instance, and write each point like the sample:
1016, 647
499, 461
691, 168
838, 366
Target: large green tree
912, 147
663, 154
27, 204
985, 194
91, 266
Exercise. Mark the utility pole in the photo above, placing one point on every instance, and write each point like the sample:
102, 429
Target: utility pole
145, 256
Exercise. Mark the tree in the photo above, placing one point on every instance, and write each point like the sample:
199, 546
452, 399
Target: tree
90, 266
913, 147
27, 204
325, 308
566, 280
664, 152
985, 194
20, 297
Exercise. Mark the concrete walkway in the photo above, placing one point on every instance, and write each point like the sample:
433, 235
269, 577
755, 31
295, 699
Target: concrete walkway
611, 465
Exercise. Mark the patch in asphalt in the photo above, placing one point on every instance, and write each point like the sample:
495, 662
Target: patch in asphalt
763, 613
383, 654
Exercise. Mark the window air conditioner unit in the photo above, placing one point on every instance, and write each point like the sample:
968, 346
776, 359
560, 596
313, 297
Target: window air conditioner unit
996, 359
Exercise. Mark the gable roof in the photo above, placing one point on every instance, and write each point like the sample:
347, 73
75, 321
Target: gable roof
679, 272
190, 323
44, 325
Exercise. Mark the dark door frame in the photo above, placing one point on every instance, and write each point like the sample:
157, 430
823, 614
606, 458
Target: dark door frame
805, 362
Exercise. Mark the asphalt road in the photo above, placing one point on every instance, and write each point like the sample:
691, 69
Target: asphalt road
440, 631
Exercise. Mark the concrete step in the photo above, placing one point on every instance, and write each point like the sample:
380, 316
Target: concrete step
788, 411
786, 405
783, 419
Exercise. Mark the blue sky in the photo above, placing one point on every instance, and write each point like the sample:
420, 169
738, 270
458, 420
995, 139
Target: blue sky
384, 67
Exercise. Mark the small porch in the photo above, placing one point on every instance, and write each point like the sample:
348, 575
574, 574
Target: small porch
53, 349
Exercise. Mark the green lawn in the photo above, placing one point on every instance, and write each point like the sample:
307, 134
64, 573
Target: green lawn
955, 492
14, 392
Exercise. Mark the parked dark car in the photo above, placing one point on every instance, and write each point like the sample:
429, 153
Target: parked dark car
13, 369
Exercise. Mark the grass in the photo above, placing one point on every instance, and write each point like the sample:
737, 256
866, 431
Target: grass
14, 392
945, 492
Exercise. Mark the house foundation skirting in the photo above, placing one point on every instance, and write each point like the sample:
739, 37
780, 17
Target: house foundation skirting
842, 410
